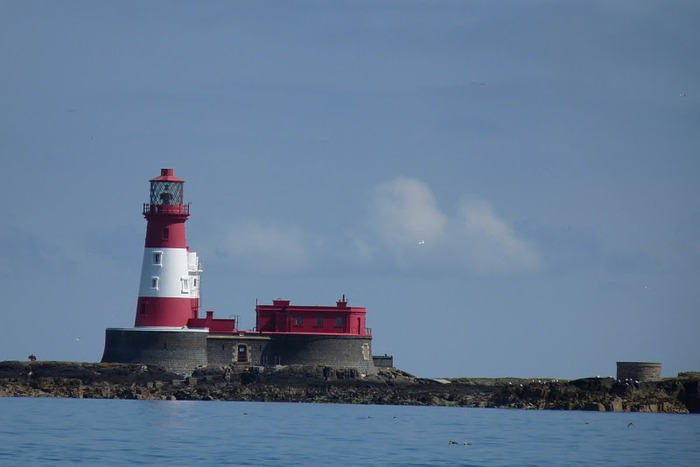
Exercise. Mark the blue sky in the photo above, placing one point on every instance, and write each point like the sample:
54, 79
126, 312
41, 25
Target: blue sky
510, 188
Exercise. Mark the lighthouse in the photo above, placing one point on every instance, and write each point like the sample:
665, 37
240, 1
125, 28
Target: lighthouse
170, 273
169, 333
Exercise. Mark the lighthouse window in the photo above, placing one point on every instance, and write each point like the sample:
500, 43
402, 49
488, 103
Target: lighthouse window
166, 233
185, 284
158, 258
299, 320
166, 193
154, 282
166, 197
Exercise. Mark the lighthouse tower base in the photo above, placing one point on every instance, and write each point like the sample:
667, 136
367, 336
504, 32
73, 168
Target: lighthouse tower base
177, 350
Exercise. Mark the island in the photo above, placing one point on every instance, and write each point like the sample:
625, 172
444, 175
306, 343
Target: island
326, 384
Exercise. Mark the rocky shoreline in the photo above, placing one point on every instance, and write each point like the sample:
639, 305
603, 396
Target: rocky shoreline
325, 384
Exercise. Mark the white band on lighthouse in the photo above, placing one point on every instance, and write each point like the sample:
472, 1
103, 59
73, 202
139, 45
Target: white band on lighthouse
169, 273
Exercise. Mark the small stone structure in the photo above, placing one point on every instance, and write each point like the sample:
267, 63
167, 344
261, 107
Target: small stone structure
639, 371
383, 361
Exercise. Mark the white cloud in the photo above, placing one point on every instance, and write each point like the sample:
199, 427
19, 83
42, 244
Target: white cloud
266, 248
418, 234
489, 244
407, 230
406, 213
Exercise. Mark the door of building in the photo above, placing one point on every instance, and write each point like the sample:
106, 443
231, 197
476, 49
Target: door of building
242, 353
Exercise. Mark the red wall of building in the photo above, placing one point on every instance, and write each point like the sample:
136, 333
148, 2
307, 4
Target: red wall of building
283, 317
214, 325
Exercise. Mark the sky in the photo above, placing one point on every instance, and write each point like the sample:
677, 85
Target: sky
510, 188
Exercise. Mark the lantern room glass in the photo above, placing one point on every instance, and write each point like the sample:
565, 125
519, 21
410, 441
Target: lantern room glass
166, 193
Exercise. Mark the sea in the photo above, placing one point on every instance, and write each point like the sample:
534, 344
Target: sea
47, 431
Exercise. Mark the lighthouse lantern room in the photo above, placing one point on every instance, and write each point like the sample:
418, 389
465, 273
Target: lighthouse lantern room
170, 274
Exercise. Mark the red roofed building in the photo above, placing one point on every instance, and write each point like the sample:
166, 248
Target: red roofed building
282, 317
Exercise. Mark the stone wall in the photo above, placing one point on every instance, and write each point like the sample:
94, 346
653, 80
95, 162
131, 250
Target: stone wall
383, 361
222, 350
335, 351
180, 351
638, 371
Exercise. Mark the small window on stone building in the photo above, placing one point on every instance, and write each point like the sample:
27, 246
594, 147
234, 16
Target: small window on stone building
299, 320
154, 282
319, 320
158, 258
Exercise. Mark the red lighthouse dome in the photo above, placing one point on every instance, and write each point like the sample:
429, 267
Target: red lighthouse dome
169, 289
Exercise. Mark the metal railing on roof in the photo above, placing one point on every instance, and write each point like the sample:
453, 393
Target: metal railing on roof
166, 209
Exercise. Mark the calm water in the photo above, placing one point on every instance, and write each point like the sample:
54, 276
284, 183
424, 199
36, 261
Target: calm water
92, 432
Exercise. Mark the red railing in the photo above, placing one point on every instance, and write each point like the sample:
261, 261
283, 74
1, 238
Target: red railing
166, 209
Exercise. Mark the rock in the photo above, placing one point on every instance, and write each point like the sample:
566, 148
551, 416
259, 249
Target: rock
340, 385
689, 394
593, 406
616, 405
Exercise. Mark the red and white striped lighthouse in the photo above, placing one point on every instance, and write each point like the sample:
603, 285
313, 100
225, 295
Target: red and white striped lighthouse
169, 290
